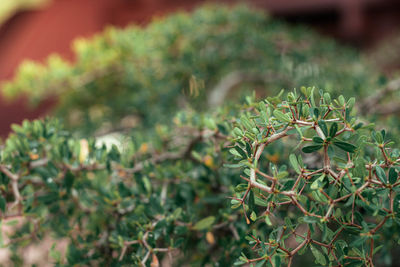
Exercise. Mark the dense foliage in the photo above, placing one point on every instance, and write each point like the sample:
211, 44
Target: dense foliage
257, 183
144, 74
338, 200
118, 206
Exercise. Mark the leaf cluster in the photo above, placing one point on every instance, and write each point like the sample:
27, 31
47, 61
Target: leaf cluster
338, 199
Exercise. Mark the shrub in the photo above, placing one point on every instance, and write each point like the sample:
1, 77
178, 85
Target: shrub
340, 202
168, 194
336, 200
145, 74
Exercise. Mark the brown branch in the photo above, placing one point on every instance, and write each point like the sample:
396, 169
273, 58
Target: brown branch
14, 183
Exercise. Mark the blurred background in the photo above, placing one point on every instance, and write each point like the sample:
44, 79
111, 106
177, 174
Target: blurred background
34, 29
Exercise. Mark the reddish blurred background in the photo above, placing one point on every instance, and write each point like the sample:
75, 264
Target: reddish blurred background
50, 28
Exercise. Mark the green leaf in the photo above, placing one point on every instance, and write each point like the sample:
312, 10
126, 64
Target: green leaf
147, 184
241, 187
381, 174
327, 98
358, 126
333, 129
251, 202
262, 106
246, 122
323, 127
233, 166
312, 96
241, 152
69, 181
377, 249
281, 116
310, 219
318, 182
316, 112
234, 152
350, 103
248, 150
277, 260
210, 123
204, 223
261, 202
310, 149
261, 263
235, 204
268, 221
253, 216
318, 140
282, 174
237, 131
345, 146
341, 99
2, 204
294, 163
377, 136
319, 257
392, 175
303, 89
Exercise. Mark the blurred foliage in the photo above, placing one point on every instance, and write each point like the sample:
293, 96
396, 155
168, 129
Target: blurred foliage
9, 7
386, 54
144, 74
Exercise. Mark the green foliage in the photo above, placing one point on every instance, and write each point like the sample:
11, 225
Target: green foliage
168, 193
256, 183
337, 203
144, 74
118, 206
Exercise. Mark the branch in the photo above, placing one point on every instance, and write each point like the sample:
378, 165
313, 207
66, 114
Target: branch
14, 183
184, 153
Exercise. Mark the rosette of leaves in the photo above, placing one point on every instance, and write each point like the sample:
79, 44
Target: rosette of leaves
336, 198
145, 74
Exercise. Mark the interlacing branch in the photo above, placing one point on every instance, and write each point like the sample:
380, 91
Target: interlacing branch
323, 211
